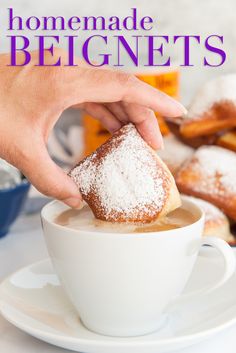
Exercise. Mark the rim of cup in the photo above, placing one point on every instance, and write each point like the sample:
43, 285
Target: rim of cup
199, 218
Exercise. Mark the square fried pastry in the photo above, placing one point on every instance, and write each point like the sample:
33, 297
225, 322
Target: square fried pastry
210, 174
125, 181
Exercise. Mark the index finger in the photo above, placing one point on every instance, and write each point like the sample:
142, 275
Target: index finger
106, 85
143, 94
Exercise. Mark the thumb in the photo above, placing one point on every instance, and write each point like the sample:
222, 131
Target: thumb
50, 179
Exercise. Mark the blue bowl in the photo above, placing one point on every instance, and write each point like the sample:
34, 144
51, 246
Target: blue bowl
11, 203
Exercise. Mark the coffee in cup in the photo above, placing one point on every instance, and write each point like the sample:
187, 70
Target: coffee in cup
84, 220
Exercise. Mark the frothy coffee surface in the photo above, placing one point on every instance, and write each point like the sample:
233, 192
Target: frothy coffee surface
85, 220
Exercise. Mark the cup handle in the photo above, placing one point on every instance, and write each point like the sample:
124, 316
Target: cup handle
229, 265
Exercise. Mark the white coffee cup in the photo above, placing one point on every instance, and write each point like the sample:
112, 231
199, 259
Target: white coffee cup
121, 284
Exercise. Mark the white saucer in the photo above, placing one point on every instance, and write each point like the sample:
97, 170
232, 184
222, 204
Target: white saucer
33, 300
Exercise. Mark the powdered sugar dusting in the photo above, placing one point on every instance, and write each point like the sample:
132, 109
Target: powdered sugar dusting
87, 174
127, 178
218, 168
222, 88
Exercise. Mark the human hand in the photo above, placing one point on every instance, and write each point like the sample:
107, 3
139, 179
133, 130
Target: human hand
32, 99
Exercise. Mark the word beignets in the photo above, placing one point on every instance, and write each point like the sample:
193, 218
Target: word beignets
125, 181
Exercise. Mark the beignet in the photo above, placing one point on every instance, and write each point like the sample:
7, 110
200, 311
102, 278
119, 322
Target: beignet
211, 175
125, 181
213, 108
216, 223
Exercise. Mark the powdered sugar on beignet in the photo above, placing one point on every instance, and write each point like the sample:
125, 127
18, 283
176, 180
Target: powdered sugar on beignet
125, 181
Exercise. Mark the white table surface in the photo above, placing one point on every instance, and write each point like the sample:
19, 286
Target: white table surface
24, 245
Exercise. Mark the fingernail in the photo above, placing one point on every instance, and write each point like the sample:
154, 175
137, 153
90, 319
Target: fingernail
72, 188
158, 145
162, 144
184, 110
74, 202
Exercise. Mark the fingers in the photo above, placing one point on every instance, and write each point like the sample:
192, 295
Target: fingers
51, 180
146, 123
150, 131
104, 115
113, 115
143, 94
105, 85
144, 119
118, 110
